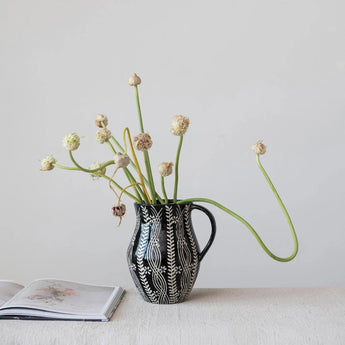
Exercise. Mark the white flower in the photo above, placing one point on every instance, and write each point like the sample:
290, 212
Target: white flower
142, 142
103, 135
121, 160
259, 148
134, 80
179, 125
97, 165
165, 169
99, 119
47, 163
71, 141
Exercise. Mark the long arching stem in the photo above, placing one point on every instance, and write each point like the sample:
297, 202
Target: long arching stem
242, 220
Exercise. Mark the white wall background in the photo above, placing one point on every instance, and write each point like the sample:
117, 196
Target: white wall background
241, 70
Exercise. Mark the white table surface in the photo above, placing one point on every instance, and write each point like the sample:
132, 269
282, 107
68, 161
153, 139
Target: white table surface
279, 316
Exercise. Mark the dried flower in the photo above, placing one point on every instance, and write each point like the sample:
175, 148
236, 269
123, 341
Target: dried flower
134, 80
103, 135
165, 168
47, 163
71, 141
121, 160
142, 142
179, 125
97, 165
119, 210
99, 119
259, 148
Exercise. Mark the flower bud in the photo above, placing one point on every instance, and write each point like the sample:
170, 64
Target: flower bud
134, 80
142, 142
47, 163
165, 169
71, 141
121, 160
259, 148
119, 211
103, 135
179, 125
99, 119
97, 165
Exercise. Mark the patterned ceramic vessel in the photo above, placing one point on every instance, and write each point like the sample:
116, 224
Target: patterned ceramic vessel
164, 255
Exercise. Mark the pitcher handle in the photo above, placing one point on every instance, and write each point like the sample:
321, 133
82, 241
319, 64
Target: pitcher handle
213, 228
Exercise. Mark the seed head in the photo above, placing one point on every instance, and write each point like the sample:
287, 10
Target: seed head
165, 168
97, 165
134, 80
119, 211
142, 142
179, 125
99, 119
103, 135
47, 163
71, 141
259, 148
121, 160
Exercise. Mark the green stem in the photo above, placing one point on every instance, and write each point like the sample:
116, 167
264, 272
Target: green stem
133, 166
101, 175
128, 174
176, 167
89, 170
139, 110
146, 154
242, 220
150, 177
64, 167
163, 189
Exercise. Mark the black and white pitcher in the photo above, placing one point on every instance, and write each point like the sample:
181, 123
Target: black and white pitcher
164, 255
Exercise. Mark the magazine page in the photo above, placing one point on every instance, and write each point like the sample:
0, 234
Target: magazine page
63, 297
7, 290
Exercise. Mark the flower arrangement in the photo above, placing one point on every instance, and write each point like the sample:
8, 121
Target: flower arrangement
143, 189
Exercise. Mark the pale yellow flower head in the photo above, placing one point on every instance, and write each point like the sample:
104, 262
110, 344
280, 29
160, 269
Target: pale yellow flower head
134, 80
103, 135
142, 142
97, 165
121, 160
179, 125
259, 148
47, 163
99, 119
165, 168
71, 141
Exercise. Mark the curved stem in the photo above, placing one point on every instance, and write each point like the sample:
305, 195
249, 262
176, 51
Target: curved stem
163, 190
89, 170
119, 187
176, 167
135, 168
128, 174
63, 167
124, 191
242, 220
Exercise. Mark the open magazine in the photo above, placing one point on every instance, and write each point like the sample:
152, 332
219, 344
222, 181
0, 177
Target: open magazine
50, 299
